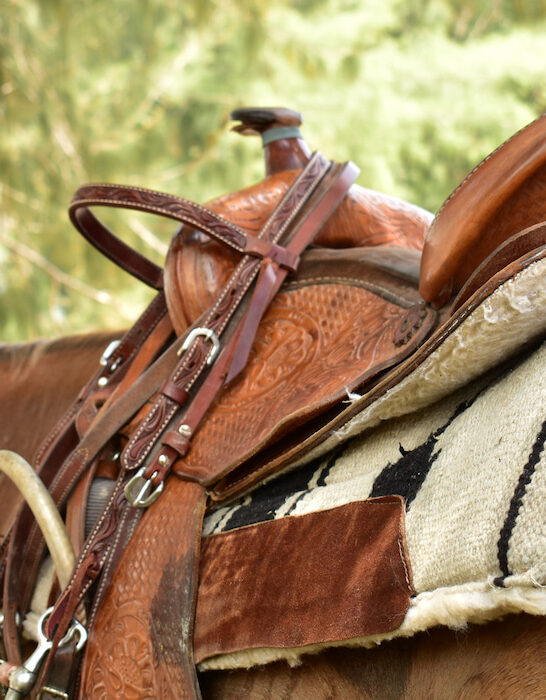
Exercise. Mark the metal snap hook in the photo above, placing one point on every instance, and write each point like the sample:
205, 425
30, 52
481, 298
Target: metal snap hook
22, 680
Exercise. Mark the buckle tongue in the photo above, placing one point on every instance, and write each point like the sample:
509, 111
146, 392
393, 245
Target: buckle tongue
110, 350
147, 494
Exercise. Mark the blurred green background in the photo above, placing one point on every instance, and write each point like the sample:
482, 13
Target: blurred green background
415, 92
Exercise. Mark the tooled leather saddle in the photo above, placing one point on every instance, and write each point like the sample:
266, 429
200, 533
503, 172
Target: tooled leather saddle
276, 306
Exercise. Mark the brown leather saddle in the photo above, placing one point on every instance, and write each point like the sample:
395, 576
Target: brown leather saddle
277, 306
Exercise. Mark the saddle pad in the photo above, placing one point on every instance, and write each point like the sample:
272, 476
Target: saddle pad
340, 573
472, 470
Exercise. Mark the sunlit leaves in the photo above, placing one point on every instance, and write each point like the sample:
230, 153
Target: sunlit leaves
415, 92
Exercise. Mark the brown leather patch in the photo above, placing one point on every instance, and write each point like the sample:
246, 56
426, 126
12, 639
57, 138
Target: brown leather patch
322, 577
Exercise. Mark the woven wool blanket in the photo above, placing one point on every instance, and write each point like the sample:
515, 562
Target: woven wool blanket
472, 470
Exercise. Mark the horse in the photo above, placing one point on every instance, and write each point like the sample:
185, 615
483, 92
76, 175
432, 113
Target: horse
194, 262
503, 658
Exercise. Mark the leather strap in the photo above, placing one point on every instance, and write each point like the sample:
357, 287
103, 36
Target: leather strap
94, 554
26, 545
187, 684
147, 353
60, 675
115, 367
278, 261
22, 558
175, 444
92, 558
169, 206
113, 248
217, 318
271, 278
76, 511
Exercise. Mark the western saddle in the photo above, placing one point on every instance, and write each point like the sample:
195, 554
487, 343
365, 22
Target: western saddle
276, 304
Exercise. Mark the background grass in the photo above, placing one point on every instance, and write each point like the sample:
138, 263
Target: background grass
140, 93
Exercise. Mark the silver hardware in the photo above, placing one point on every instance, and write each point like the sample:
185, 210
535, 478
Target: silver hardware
146, 496
163, 460
102, 381
209, 335
55, 692
24, 677
115, 364
110, 350
184, 430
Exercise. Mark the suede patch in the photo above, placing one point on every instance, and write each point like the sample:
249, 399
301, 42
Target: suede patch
323, 577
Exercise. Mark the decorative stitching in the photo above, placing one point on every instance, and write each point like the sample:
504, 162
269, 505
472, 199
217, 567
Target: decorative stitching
78, 202
363, 284
481, 165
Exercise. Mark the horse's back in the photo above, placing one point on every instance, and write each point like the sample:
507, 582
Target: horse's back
40, 381
503, 659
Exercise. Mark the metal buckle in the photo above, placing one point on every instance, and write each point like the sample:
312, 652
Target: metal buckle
22, 680
209, 335
110, 350
105, 361
145, 497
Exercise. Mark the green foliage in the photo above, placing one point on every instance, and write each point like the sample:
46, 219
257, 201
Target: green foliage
467, 20
415, 92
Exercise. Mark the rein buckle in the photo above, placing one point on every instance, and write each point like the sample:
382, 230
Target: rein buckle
145, 496
209, 334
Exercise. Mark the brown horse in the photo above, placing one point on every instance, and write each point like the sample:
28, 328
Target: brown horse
472, 663
503, 659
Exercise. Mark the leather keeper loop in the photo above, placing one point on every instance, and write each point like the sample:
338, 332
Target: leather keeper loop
278, 254
158, 468
284, 258
178, 442
171, 391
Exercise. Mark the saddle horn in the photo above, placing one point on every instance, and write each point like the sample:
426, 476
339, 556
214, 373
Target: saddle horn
284, 146
197, 267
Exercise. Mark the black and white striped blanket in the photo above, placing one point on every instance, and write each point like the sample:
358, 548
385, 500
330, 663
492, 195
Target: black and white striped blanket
472, 470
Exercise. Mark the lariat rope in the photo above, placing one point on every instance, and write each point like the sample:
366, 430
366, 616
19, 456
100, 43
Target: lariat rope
21, 679
44, 510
